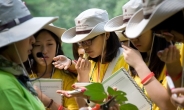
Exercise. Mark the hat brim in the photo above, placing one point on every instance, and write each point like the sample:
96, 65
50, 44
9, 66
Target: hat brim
138, 25
115, 24
56, 30
24, 30
121, 36
70, 36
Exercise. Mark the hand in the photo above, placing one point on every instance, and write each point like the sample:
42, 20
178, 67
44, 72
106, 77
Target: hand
132, 56
169, 55
171, 36
83, 67
62, 62
65, 93
178, 101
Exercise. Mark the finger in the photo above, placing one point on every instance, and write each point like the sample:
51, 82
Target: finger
165, 54
177, 91
125, 47
56, 58
178, 101
170, 53
66, 67
82, 64
78, 63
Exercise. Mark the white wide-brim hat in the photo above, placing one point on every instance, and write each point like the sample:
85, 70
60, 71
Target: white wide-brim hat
115, 24
138, 25
70, 35
56, 30
88, 24
24, 30
119, 23
16, 22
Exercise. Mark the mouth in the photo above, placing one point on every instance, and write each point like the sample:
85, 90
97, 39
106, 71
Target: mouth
137, 45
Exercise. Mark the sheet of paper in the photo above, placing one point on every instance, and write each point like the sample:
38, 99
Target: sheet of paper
124, 82
49, 87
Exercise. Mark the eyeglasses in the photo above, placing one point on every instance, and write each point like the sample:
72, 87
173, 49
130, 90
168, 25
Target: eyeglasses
87, 42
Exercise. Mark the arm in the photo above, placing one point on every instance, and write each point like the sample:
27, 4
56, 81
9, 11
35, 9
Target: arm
171, 57
158, 94
63, 62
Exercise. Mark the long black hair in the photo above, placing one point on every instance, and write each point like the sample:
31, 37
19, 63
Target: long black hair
155, 64
175, 22
59, 51
111, 48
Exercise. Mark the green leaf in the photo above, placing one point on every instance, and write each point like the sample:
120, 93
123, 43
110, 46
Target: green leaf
128, 106
121, 98
96, 92
111, 91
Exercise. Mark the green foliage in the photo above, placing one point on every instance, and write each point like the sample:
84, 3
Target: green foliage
67, 10
128, 106
97, 92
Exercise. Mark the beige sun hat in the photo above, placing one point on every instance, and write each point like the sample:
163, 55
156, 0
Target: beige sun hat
89, 24
121, 36
16, 22
119, 23
56, 30
148, 17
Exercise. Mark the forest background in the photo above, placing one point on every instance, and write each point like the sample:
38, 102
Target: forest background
67, 10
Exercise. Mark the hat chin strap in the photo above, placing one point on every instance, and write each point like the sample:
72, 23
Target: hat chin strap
153, 40
20, 60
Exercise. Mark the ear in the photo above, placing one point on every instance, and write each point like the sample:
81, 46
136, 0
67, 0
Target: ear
107, 35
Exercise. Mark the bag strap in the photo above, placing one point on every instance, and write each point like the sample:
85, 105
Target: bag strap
112, 64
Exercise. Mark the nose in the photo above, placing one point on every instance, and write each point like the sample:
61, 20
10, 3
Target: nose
44, 49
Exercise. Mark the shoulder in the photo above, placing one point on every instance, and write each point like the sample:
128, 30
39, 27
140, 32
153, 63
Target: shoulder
8, 79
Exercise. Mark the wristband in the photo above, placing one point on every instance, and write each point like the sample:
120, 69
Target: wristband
147, 78
70, 60
60, 107
51, 101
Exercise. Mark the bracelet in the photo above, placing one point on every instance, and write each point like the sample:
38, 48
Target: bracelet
51, 101
60, 107
147, 78
70, 60
175, 78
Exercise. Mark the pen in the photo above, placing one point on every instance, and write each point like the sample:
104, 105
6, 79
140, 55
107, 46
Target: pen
74, 91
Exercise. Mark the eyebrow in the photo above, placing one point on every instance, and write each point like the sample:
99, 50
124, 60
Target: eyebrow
47, 40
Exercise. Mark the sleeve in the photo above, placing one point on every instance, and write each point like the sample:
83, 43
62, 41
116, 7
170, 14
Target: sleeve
13, 100
70, 103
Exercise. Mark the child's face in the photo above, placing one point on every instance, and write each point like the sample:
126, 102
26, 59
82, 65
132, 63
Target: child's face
143, 42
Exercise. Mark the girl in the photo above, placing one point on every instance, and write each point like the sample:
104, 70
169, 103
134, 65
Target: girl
49, 44
144, 37
16, 91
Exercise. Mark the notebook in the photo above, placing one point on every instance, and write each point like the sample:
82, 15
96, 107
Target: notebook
49, 87
124, 82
